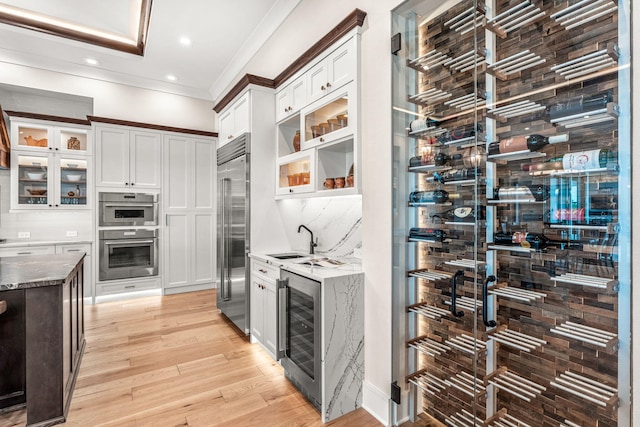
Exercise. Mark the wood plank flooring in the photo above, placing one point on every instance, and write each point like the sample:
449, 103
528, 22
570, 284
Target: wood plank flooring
175, 361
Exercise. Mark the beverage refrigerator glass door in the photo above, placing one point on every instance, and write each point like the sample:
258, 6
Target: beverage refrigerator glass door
299, 320
127, 209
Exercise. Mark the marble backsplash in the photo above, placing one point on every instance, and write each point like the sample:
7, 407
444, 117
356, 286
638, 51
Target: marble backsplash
335, 221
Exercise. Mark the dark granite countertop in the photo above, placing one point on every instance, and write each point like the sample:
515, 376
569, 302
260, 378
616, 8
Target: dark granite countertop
32, 271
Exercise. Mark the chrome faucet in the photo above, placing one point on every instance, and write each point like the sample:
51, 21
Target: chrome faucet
312, 245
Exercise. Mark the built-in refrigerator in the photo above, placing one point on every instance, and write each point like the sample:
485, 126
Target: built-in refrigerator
233, 231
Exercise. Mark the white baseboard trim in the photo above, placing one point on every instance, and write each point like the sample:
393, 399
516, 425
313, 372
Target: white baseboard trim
376, 402
403, 409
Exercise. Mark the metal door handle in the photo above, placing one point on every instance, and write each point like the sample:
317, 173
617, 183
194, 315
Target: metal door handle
485, 309
454, 279
282, 309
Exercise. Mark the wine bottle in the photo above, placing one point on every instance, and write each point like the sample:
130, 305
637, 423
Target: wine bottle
464, 214
580, 216
522, 238
454, 175
522, 143
580, 104
431, 159
419, 125
580, 160
435, 196
430, 234
537, 192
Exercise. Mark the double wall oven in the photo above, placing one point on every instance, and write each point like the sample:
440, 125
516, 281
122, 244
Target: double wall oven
126, 252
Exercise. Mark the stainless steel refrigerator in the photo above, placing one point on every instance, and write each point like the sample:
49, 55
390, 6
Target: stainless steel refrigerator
233, 231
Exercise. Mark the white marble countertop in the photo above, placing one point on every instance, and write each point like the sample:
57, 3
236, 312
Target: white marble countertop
350, 267
19, 243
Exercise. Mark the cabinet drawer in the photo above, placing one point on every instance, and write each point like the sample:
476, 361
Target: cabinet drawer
123, 287
27, 250
73, 248
265, 270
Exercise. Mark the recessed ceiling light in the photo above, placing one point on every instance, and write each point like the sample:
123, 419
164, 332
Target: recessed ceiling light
185, 41
92, 61
171, 77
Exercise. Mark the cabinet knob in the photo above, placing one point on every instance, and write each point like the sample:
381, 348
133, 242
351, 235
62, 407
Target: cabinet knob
50, 206
322, 87
50, 148
56, 148
126, 183
132, 184
291, 190
328, 85
321, 139
230, 136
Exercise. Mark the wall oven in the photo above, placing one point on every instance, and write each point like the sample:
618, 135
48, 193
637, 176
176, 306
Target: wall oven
127, 209
299, 326
126, 254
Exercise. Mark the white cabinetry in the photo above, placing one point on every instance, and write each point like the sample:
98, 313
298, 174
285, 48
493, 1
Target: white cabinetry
263, 305
51, 165
328, 126
291, 98
332, 72
128, 157
235, 119
188, 193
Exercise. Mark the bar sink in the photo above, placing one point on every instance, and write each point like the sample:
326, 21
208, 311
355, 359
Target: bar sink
287, 256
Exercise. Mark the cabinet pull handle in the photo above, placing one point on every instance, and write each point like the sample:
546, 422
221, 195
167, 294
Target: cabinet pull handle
485, 310
129, 286
454, 279
24, 253
262, 271
73, 250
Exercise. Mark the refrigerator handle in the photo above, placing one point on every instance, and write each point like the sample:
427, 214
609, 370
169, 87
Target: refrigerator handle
227, 239
282, 309
223, 238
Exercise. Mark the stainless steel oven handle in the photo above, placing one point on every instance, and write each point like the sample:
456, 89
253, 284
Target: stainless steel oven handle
283, 314
126, 242
128, 205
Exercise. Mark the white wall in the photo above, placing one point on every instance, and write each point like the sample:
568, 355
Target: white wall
309, 22
118, 101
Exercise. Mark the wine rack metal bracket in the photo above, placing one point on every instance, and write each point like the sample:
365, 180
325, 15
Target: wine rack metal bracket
514, 18
514, 384
518, 200
428, 346
517, 294
428, 61
427, 204
467, 61
517, 109
603, 283
468, 344
463, 419
432, 276
427, 382
511, 248
428, 168
469, 101
515, 339
516, 155
589, 63
428, 97
468, 263
512, 66
584, 11
610, 169
466, 303
503, 419
467, 20
587, 335
467, 384
608, 114
428, 311
588, 389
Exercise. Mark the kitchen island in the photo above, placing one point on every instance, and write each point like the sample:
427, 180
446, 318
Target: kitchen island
41, 334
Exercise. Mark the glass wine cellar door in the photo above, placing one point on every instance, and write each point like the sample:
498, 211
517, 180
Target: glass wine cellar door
512, 193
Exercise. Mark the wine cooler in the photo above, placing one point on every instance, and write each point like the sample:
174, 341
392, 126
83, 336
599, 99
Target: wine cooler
512, 194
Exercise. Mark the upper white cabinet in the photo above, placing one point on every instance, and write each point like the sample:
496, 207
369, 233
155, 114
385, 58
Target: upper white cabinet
333, 72
234, 120
51, 165
188, 193
291, 98
128, 157
317, 143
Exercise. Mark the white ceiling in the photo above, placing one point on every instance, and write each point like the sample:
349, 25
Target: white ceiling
225, 35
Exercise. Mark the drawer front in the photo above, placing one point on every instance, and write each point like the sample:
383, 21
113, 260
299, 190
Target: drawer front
265, 270
74, 248
27, 250
123, 287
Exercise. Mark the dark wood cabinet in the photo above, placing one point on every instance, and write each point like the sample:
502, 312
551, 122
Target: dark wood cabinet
12, 350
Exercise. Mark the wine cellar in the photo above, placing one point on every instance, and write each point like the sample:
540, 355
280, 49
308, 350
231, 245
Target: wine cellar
511, 154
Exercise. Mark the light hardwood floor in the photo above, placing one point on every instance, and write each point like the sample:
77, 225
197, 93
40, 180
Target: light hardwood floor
175, 361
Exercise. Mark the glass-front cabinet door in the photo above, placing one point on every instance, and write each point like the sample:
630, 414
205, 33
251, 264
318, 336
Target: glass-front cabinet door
296, 173
33, 180
511, 159
72, 181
